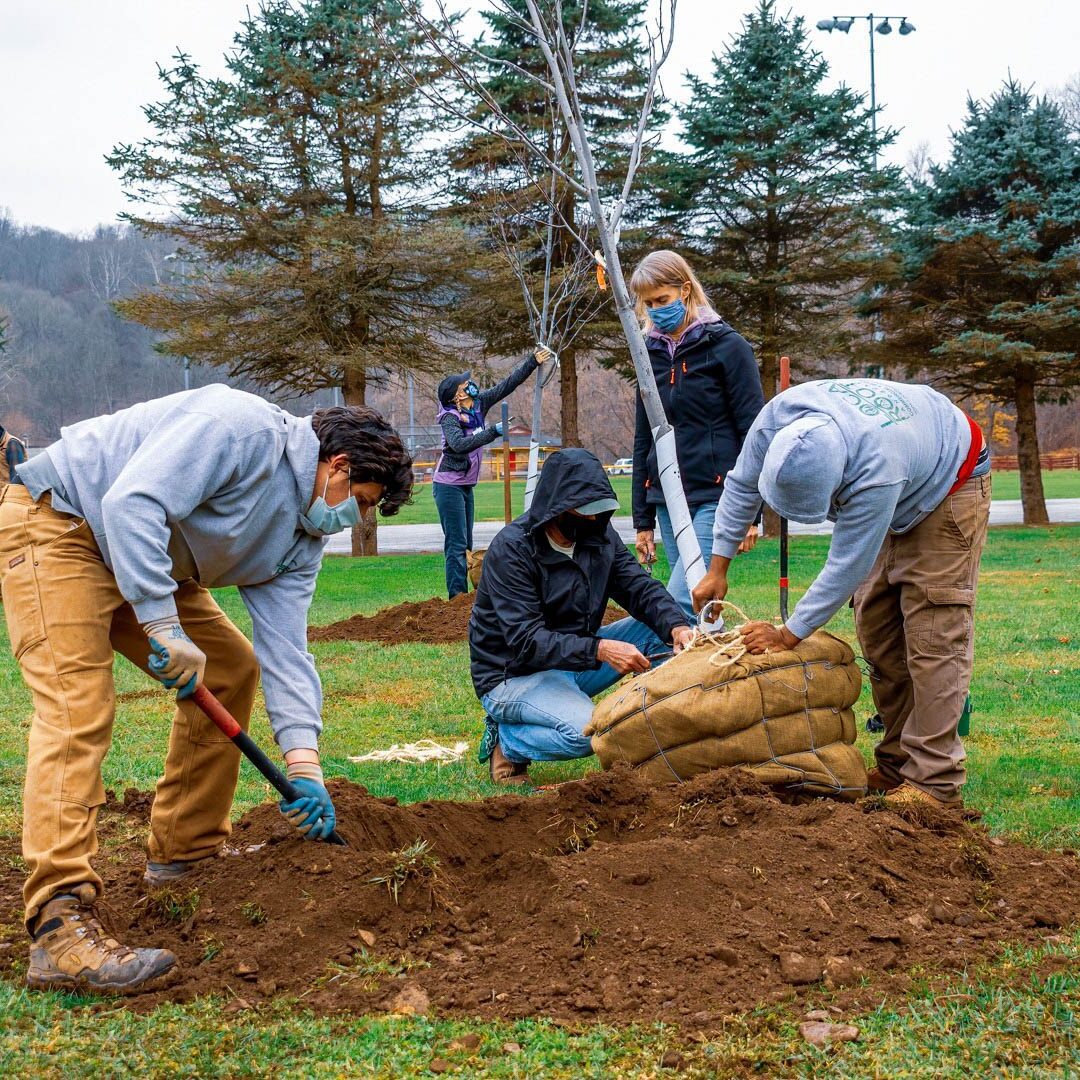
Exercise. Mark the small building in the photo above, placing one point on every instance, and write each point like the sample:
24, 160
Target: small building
520, 439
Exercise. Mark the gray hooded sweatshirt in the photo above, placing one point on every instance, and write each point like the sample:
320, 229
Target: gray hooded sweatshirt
206, 484
870, 455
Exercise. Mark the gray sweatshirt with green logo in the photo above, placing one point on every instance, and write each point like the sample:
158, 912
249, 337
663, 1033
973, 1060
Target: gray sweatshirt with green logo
888, 454
206, 484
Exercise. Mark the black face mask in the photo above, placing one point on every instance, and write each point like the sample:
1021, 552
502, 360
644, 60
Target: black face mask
576, 528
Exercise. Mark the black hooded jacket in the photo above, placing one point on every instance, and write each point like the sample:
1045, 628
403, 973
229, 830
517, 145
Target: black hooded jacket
537, 610
711, 392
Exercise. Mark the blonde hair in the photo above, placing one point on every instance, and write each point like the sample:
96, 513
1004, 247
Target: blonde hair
667, 268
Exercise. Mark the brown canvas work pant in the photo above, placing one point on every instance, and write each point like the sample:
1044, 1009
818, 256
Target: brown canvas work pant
914, 617
66, 618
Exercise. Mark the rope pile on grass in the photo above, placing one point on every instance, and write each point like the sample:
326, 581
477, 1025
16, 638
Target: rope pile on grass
784, 715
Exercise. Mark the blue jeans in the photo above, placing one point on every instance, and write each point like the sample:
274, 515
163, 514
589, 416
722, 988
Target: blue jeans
703, 525
455, 505
541, 717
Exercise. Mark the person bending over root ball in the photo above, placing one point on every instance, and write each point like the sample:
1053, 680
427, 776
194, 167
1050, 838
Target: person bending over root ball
109, 542
539, 653
463, 407
711, 391
905, 476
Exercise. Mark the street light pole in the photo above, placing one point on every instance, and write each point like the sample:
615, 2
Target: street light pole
873, 87
843, 24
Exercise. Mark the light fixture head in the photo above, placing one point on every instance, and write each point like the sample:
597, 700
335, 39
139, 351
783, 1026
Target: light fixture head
826, 24
843, 25
884, 27
906, 27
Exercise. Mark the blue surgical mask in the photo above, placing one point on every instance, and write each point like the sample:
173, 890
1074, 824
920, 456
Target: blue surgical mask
669, 317
324, 520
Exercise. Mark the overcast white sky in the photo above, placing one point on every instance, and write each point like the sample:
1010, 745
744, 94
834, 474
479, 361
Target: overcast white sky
74, 74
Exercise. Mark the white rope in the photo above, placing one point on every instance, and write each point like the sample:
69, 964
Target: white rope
424, 750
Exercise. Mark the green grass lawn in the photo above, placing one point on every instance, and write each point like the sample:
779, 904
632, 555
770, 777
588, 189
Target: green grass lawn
1059, 484
1009, 1018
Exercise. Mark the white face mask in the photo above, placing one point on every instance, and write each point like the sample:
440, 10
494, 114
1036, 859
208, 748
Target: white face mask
322, 519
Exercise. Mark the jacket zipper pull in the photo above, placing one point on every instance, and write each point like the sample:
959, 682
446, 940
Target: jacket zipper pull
672, 374
684, 367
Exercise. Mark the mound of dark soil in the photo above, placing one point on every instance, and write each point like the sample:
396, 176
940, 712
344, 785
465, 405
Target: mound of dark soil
433, 622
604, 898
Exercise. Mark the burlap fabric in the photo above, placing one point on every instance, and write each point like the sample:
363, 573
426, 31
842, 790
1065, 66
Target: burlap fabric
785, 716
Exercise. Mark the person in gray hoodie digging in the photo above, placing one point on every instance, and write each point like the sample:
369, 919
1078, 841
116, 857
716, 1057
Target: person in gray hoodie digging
904, 475
109, 542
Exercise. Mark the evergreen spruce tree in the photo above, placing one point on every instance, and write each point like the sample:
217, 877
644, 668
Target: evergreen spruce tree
293, 185
778, 199
989, 297
497, 180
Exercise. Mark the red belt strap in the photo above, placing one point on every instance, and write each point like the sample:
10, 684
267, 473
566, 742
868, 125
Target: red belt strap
964, 475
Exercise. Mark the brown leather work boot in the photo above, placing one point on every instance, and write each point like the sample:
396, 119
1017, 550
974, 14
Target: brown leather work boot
877, 783
72, 951
910, 795
505, 771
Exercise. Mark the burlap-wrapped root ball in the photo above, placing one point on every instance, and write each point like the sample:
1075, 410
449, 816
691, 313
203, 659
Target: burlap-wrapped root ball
786, 716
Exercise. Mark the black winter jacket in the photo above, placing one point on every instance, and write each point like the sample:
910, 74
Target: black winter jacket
457, 442
711, 392
537, 610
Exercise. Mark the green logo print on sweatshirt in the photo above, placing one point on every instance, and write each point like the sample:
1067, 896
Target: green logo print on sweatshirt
873, 399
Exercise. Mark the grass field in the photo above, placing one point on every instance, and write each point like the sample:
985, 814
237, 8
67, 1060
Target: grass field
1010, 1018
1059, 484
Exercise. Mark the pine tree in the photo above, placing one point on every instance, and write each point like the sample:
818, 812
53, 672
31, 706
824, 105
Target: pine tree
778, 198
293, 185
497, 180
989, 297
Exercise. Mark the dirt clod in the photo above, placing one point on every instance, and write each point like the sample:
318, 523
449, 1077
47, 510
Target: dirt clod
410, 1000
820, 1034
798, 969
661, 915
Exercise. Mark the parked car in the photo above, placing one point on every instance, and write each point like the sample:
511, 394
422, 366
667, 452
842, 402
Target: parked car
623, 466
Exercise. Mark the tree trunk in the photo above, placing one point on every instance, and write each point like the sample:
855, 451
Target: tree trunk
365, 536
1027, 453
568, 386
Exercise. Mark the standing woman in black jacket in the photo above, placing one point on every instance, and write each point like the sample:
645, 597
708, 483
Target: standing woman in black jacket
462, 409
711, 391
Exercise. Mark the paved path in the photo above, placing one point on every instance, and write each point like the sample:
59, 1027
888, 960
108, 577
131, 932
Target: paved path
409, 539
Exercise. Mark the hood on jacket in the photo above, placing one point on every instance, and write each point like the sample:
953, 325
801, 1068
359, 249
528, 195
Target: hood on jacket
448, 388
569, 480
803, 468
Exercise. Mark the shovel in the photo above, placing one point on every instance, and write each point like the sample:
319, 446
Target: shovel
247, 746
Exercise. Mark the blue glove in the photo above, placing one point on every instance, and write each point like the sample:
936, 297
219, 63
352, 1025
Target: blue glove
313, 813
499, 428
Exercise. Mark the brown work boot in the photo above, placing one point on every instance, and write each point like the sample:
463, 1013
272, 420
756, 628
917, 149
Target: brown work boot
505, 771
909, 795
72, 951
877, 783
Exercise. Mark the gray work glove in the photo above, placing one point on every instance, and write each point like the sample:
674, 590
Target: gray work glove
174, 659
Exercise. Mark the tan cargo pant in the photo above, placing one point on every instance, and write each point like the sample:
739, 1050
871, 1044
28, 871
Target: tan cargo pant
65, 618
914, 617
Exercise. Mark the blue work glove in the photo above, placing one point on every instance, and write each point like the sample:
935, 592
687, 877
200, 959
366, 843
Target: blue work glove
510, 423
174, 658
312, 815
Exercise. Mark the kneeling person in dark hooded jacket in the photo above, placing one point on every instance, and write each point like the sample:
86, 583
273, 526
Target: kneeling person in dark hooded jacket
539, 652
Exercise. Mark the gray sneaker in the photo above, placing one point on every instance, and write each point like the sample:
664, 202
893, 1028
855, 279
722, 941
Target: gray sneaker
162, 875
71, 950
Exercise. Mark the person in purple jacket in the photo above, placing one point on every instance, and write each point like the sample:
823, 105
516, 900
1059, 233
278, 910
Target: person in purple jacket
462, 409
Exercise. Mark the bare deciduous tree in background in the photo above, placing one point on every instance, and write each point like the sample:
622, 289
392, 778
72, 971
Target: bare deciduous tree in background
545, 23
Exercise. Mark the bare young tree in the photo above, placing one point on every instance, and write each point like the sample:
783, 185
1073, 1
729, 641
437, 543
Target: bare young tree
545, 23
